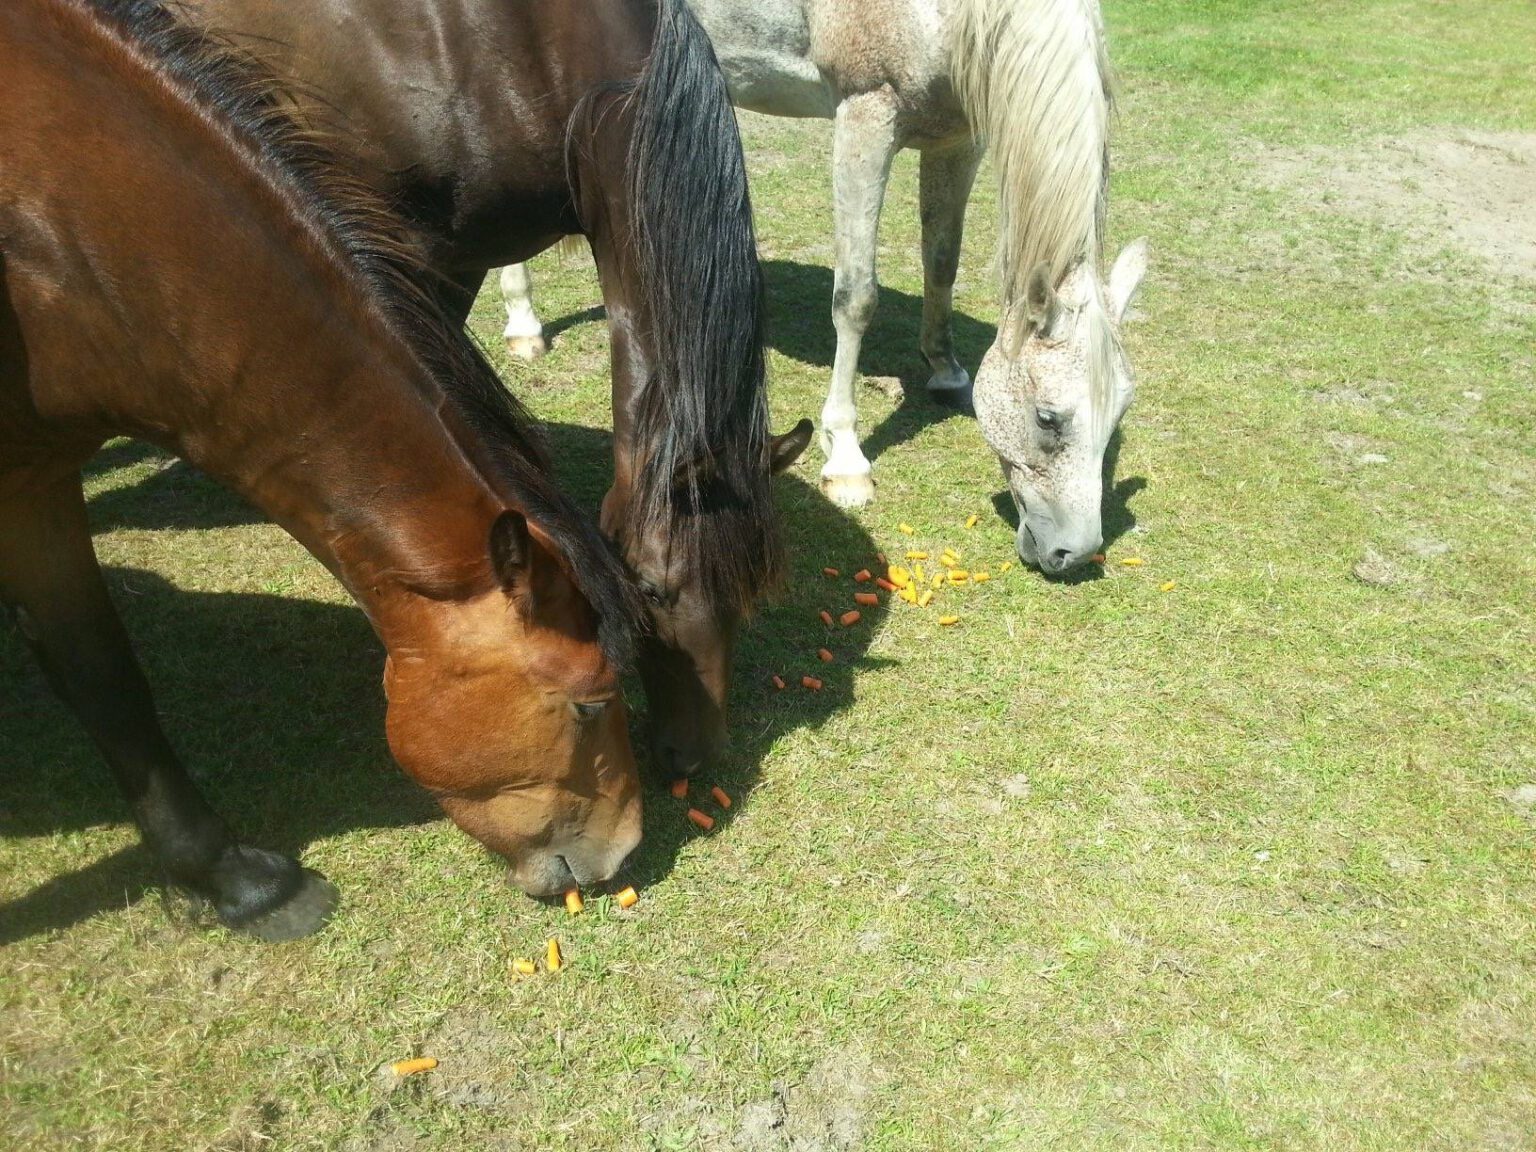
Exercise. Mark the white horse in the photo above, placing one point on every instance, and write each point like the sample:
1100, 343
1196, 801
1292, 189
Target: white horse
942, 76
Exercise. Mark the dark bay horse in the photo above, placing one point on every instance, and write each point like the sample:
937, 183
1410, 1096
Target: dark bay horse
503, 125
180, 263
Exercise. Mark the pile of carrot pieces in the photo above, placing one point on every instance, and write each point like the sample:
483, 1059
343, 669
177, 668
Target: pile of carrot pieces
915, 585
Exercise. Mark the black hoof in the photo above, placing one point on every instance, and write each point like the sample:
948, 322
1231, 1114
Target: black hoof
303, 912
956, 399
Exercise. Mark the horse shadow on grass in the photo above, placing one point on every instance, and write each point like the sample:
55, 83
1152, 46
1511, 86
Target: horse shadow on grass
276, 707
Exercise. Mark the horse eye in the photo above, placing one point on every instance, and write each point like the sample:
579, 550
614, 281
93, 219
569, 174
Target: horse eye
589, 710
1048, 420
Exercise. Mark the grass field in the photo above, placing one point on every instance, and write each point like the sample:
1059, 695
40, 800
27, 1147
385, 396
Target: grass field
1241, 865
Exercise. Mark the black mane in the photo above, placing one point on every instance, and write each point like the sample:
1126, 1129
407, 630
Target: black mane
379, 251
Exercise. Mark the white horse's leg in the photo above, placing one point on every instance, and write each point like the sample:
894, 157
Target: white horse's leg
525, 335
944, 185
862, 147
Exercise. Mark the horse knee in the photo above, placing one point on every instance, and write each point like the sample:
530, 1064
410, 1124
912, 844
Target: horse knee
855, 304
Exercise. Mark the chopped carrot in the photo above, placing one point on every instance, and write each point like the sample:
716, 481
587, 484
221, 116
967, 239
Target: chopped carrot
917, 555
882, 582
524, 967
958, 576
938, 579
552, 959
411, 1067
861, 576
1169, 586
898, 576
848, 619
868, 599
703, 821
1004, 566
811, 682
980, 577
1099, 558
922, 601
951, 552
826, 657
722, 798
948, 561
679, 787
826, 617
627, 898
970, 521
830, 572
909, 594
573, 902
778, 682
907, 528
1133, 562
948, 620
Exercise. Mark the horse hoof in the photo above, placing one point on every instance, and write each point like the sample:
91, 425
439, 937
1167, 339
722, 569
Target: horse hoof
302, 913
957, 399
849, 491
528, 348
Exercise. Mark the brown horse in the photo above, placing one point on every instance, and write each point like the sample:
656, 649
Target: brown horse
503, 125
144, 174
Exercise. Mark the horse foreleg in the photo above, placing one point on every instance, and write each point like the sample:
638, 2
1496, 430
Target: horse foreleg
944, 185
49, 574
524, 333
863, 144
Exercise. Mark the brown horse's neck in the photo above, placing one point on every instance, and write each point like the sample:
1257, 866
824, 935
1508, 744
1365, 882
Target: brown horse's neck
219, 317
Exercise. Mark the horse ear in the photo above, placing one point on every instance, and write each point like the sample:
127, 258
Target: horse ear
1125, 277
1040, 303
785, 450
511, 549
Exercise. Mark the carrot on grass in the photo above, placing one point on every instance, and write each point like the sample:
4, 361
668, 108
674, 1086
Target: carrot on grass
826, 657
868, 599
573, 903
722, 797
980, 577
826, 617
778, 682
970, 521
884, 583
922, 601
917, 555
524, 967
1133, 562
948, 620
848, 619
1099, 558
552, 959
829, 572
679, 787
906, 528
627, 898
811, 682
411, 1067
699, 818
861, 575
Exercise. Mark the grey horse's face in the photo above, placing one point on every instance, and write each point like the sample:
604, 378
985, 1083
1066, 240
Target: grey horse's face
1049, 411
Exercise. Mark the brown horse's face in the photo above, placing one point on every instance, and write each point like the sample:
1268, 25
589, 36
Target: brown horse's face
685, 664
506, 709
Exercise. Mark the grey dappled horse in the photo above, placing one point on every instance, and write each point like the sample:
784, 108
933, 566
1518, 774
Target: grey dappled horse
944, 76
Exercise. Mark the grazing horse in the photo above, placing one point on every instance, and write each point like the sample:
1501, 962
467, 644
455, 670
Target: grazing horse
180, 263
504, 125
941, 76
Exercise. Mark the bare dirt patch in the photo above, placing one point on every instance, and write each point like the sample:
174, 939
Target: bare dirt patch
1473, 190
826, 1112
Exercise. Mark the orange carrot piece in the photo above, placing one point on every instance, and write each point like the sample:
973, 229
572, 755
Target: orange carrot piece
1099, 558
1133, 562
922, 601
829, 572
826, 657
848, 619
948, 620
868, 599
699, 818
524, 967
811, 682
861, 575
722, 797
552, 959
958, 576
778, 682
627, 898
1169, 586
980, 577
917, 555
970, 521
573, 903
882, 582
826, 617
411, 1067
679, 787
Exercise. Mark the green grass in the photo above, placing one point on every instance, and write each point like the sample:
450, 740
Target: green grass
1227, 867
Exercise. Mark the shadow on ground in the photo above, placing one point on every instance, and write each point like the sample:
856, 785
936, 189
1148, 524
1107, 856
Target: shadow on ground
276, 706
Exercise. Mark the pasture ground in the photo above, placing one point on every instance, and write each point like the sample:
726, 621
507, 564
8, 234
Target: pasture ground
1247, 864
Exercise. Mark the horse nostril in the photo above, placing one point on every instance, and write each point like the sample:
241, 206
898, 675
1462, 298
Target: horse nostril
1059, 559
